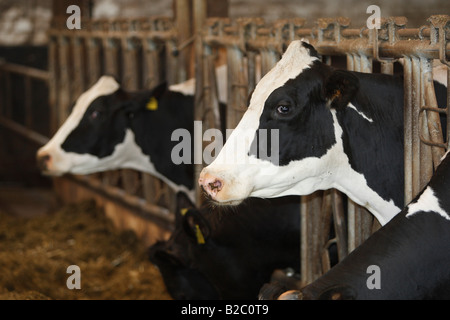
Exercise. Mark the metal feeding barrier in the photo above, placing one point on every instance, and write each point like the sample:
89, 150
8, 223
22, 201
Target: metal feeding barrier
140, 53
250, 40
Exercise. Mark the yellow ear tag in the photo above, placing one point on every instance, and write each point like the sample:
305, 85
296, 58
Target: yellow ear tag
199, 235
152, 104
184, 211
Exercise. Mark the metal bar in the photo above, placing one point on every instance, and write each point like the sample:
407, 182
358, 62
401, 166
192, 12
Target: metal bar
8, 95
326, 215
352, 220
448, 107
415, 141
387, 67
237, 86
25, 71
28, 102
159, 215
311, 246
183, 22
426, 158
268, 59
304, 241
79, 80
53, 84
94, 62
340, 226
152, 64
23, 131
64, 94
407, 119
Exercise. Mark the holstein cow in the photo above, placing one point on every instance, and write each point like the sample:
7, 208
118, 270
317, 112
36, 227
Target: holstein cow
110, 128
232, 254
337, 129
408, 258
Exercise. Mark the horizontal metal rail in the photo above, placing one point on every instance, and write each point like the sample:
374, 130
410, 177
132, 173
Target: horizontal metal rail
139, 206
24, 70
23, 131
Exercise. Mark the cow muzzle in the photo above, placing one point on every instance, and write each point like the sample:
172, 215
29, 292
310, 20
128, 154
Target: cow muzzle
43, 162
46, 162
210, 184
220, 190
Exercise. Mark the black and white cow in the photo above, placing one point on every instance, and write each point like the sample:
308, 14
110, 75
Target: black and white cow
410, 255
232, 254
110, 128
337, 129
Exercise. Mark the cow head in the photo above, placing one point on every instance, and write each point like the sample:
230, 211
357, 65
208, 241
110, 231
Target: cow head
299, 98
96, 136
175, 257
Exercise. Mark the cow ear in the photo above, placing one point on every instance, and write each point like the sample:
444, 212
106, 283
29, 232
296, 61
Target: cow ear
183, 205
149, 99
340, 88
196, 227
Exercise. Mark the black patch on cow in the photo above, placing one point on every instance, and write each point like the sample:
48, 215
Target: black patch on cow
153, 131
306, 128
102, 126
375, 149
311, 50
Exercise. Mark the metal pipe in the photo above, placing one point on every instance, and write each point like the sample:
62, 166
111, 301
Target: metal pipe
415, 141
407, 120
426, 158
23, 131
159, 215
448, 107
24, 70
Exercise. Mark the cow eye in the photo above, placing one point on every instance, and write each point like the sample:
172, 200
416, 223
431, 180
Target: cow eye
283, 109
95, 114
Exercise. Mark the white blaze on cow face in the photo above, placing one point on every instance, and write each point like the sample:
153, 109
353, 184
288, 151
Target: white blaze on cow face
59, 161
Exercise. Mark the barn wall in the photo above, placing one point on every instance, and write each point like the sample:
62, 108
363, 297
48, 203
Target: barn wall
27, 21
417, 11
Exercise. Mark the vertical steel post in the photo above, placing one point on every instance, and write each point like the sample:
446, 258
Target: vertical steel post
416, 145
407, 119
65, 97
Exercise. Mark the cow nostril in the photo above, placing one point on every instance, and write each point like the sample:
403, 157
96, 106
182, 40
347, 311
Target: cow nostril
217, 184
42, 162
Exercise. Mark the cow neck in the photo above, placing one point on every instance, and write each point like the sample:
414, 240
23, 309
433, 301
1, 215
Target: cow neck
373, 135
153, 131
